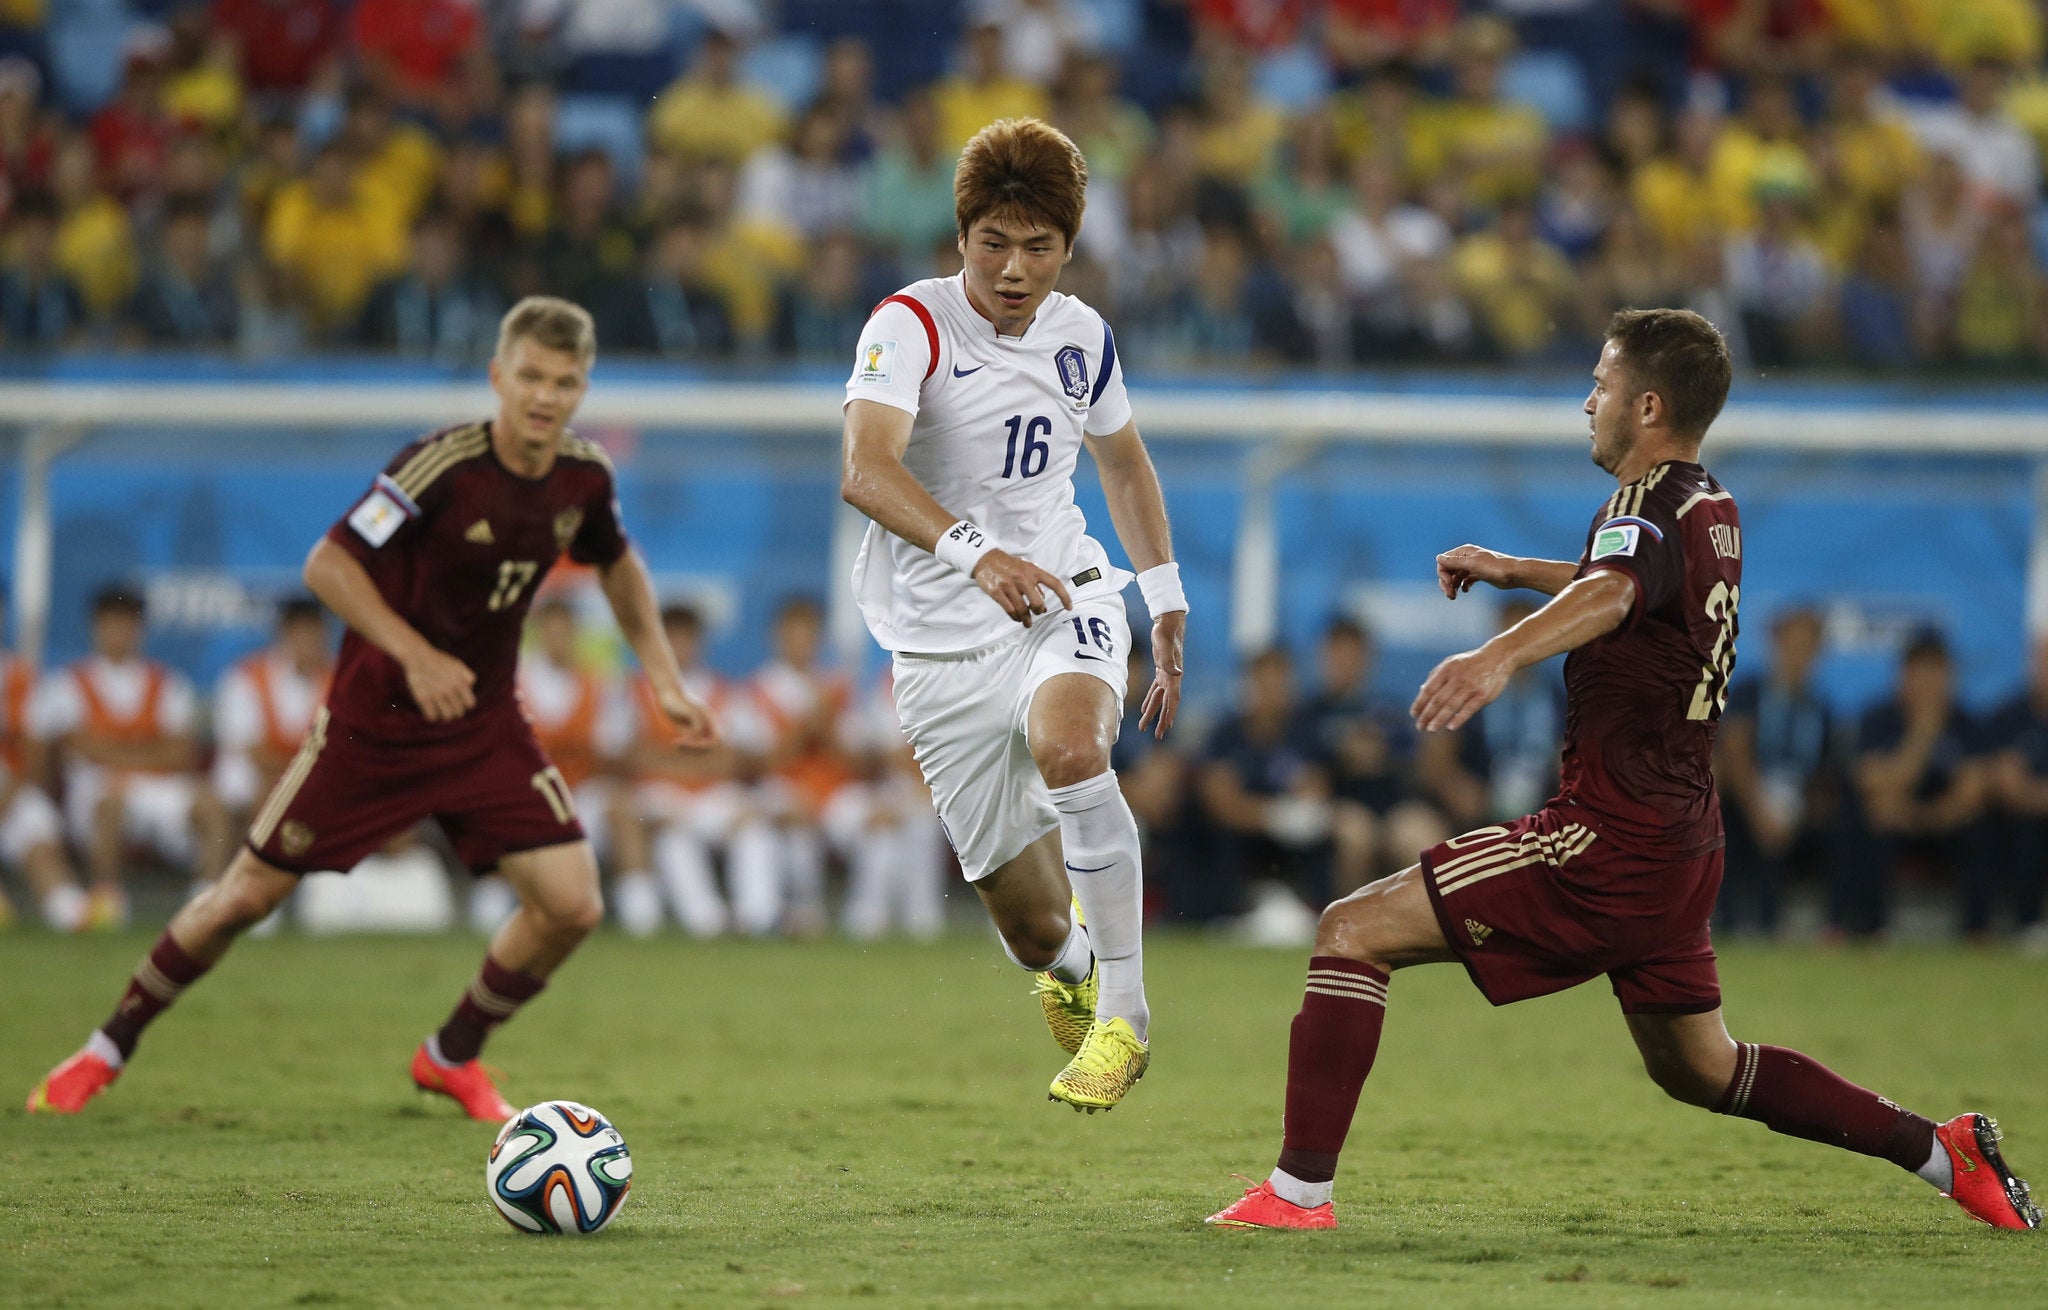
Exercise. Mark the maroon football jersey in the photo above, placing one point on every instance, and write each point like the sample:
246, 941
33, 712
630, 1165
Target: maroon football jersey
1643, 701
457, 543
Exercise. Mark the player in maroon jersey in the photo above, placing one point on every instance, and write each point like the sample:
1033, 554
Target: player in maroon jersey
1617, 874
433, 571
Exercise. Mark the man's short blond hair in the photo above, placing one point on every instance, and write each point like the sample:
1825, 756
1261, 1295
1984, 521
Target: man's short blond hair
552, 322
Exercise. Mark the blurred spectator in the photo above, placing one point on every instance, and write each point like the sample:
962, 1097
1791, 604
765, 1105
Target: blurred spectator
846, 95
1872, 145
1326, 330
2001, 313
122, 733
31, 833
589, 252
95, 238
285, 45
883, 827
1773, 37
1773, 758
1758, 152
1576, 202
1492, 145
1520, 286
471, 192
906, 198
413, 47
264, 705
584, 720
1232, 312
1504, 762
1237, 130
187, 298
1380, 820
674, 309
332, 240
132, 132
984, 89
709, 113
1676, 192
27, 135
1941, 230
1112, 132
1266, 795
803, 190
1379, 240
202, 80
39, 307
1154, 775
1367, 34
695, 802
1627, 268
530, 160
801, 703
1918, 785
1303, 188
1998, 157
1878, 319
1037, 35
819, 312
1779, 280
439, 308
397, 159
1248, 24
1161, 242
2016, 736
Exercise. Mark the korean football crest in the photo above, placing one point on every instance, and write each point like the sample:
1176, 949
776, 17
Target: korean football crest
1072, 362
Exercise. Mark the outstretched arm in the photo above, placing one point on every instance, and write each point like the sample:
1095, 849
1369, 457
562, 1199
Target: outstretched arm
442, 685
1138, 509
631, 595
1463, 685
1457, 570
873, 480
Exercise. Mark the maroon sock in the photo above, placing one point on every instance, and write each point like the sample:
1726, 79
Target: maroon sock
1793, 1094
1330, 1050
163, 973
490, 1000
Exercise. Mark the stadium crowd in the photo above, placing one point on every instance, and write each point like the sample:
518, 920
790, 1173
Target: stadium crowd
1304, 183
810, 816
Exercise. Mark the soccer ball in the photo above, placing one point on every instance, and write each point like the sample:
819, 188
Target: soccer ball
558, 1167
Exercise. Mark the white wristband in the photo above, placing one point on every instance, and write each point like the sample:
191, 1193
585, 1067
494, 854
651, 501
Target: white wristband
962, 546
1161, 588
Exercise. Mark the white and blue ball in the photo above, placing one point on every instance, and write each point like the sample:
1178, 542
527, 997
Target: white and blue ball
559, 1167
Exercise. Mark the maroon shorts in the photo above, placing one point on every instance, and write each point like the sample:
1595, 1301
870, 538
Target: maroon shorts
345, 795
1543, 903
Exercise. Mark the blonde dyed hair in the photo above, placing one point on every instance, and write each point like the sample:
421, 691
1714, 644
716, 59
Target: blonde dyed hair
552, 322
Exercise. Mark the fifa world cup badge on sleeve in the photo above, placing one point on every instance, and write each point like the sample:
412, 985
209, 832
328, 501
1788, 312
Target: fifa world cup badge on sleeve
377, 517
877, 362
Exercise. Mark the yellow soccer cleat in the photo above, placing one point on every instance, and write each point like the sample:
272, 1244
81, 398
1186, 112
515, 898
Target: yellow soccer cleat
1110, 1060
1069, 1007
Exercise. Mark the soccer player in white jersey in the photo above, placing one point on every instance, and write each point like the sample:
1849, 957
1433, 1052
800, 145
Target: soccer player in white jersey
970, 400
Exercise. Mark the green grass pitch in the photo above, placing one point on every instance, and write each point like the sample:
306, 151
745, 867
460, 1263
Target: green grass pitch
828, 1124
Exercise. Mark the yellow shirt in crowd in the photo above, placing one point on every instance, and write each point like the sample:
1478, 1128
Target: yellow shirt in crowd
336, 255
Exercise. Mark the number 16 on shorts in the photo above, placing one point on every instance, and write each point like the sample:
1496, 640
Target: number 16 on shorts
1094, 638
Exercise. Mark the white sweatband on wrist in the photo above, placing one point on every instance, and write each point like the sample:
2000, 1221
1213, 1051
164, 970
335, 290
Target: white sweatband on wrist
1161, 588
962, 546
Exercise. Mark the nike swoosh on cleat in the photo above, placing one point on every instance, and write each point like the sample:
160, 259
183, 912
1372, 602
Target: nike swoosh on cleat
1075, 868
959, 372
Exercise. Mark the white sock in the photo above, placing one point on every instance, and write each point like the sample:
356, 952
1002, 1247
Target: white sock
103, 1046
1939, 1169
754, 861
637, 902
434, 1052
1100, 838
1306, 1195
1073, 962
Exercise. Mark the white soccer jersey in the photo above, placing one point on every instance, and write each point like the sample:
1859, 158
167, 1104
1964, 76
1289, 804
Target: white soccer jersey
999, 423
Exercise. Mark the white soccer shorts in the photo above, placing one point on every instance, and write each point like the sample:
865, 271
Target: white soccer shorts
965, 716
29, 821
157, 810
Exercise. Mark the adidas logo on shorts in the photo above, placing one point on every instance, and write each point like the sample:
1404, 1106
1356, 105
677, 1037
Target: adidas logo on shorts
1480, 932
